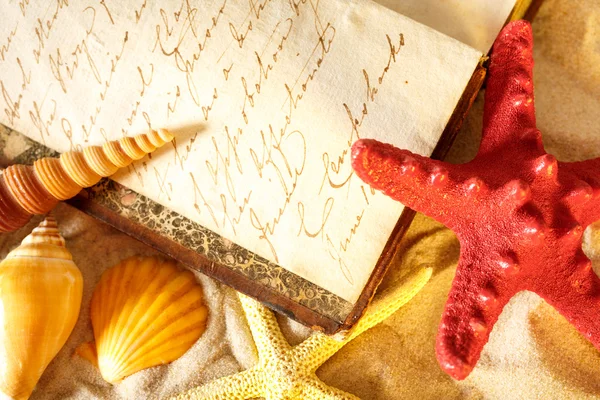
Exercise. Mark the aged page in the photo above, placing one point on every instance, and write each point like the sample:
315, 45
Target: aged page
473, 22
266, 98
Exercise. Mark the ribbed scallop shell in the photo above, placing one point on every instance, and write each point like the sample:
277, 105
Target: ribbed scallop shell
40, 297
145, 312
27, 190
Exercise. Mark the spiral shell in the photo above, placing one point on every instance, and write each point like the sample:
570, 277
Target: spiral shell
145, 312
40, 294
26, 190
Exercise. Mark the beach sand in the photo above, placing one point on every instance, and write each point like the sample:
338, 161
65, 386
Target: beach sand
533, 353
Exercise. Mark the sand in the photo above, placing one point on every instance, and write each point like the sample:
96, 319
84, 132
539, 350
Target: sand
533, 353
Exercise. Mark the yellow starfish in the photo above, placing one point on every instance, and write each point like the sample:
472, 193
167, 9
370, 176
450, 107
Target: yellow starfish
286, 372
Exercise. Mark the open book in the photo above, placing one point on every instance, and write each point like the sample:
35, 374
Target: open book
265, 98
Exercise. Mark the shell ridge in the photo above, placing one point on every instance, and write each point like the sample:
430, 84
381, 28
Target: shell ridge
97, 314
159, 277
183, 339
177, 338
133, 291
76, 167
149, 301
55, 179
98, 161
164, 301
103, 340
113, 305
131, 295
155, 138
27, 190
192, 311
106, 304
44, 242
12, 214
151, 291
116, 154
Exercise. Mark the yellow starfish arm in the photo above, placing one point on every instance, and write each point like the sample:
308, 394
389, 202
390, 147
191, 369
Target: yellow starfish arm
315, 389
390, 301
318, 348
286, 372
265, 329
247, 384
315, 350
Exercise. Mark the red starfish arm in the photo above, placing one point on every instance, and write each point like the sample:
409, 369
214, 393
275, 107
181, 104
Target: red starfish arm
475, 301
578, 302
509, 109
417, 182
584, 196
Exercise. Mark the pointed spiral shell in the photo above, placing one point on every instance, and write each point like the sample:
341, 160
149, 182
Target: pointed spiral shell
26, 190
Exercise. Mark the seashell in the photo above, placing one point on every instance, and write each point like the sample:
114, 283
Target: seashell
40, 294
145, 312
26, 190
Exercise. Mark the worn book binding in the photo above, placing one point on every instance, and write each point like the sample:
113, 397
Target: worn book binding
265, 99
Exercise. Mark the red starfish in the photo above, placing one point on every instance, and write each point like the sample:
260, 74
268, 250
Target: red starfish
518, 213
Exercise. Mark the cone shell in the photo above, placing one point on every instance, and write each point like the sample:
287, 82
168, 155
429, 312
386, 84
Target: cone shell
26, 190
40, 295
145, 312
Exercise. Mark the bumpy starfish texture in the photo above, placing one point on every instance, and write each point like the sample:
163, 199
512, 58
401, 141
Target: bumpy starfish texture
518, 213
288, 372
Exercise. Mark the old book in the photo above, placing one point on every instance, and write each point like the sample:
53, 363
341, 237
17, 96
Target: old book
265, 98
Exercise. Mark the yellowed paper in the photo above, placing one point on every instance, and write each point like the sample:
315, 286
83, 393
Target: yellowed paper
267, 98
473, 22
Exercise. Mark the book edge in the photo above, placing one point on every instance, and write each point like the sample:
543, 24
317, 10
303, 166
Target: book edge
390, 251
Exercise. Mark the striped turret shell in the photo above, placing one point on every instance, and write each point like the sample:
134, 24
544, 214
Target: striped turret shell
36, 189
